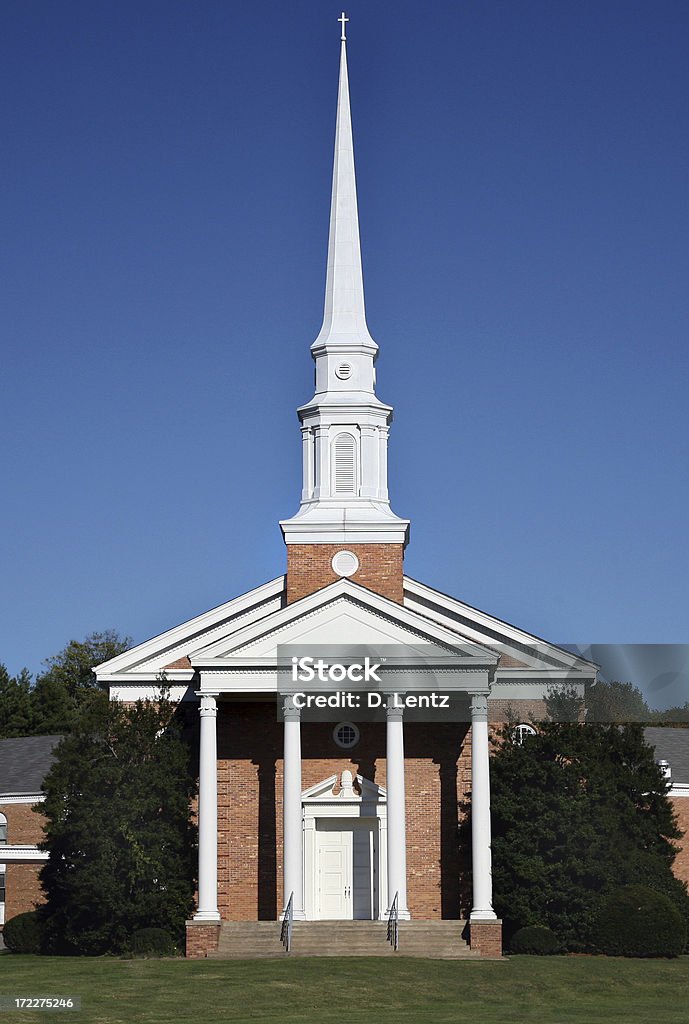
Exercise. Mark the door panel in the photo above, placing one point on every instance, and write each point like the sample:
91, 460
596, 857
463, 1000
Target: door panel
362, 874
335, 874
346, 853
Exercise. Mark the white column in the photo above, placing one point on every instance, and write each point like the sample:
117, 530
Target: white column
397, 831
292, 828
482, 909
208, 811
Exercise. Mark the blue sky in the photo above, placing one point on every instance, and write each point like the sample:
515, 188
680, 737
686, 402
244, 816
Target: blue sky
522, 172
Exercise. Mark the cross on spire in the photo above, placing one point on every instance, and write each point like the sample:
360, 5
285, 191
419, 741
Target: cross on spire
343, 19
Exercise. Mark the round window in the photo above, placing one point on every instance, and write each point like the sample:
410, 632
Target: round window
522, 731
344, 371
346, 735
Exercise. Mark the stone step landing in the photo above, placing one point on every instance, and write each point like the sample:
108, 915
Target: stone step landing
250, 940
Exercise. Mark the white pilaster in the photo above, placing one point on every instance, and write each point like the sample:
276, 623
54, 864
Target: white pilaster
383, 463
307, 461
482, 909
397, 830
293, 839
208, 810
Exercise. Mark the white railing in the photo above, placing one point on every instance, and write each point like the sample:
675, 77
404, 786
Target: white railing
394, 924
286, 927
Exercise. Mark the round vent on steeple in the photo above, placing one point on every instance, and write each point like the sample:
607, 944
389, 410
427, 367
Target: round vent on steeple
345, 563
344, 371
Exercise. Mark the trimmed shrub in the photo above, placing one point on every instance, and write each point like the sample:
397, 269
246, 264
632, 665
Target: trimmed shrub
152, 942
22, 934
636, 921
536, 940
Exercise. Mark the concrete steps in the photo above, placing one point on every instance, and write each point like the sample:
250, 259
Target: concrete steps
249, 940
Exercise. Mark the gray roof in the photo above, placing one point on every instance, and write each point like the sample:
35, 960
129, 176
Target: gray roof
671, 745
25, 762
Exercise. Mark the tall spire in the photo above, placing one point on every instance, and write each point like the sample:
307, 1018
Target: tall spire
344, 316
345, 426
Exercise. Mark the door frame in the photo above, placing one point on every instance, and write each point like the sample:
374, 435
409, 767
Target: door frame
366, 801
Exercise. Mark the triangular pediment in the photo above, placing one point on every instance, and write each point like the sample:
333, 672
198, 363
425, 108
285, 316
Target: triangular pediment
344, 788
343, 614
248, 630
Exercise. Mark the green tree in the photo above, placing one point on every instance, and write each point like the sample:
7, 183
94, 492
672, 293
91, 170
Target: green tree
72, 667
68, 685
16, 714
563, 703
678, 715
577, 811
119, 831
615, 702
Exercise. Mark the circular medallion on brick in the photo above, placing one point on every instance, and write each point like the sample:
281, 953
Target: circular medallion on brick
345, 563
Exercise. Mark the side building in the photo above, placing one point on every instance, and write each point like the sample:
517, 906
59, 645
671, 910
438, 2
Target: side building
672, 753
24, 764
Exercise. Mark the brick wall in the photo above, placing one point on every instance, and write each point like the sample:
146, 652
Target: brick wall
519, 711
437, 776
681, 865
23, 890
202, 939
23, 824
486, 937
380, 568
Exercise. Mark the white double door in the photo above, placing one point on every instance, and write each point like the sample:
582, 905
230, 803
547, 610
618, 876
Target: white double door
347, 869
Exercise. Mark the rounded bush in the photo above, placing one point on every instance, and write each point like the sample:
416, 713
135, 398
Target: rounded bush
22, 934
637, 921
536, 940
152, 942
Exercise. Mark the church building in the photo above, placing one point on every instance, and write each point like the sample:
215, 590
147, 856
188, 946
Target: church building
344, 824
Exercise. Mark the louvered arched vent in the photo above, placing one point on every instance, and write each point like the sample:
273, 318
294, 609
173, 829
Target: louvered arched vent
345, 464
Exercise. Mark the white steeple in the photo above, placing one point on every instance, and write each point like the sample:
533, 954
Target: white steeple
344, 426
344, 316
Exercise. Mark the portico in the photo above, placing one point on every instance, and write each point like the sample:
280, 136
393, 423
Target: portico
346, 821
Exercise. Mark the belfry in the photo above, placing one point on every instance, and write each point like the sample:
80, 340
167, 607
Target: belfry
331, 834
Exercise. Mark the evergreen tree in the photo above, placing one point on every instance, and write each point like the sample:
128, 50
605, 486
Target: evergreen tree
678, 715
563, 703
71, 669
119, 832
615, 702
577, 811
16, 714
68, 685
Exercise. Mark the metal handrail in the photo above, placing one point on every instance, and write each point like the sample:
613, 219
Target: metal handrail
286, 927
394, 924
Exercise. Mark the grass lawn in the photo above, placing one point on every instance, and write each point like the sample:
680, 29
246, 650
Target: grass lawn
527, 990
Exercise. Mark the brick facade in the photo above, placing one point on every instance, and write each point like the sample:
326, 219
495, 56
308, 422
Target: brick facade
380, 568
23, 889
516, 711
24, 825
681, 865
438, 776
